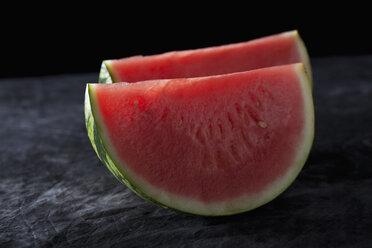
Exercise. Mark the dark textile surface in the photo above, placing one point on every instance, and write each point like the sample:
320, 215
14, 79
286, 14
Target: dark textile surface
54, 192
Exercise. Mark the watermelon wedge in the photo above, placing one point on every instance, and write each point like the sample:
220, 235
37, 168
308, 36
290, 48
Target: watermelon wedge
278, 49
213, 145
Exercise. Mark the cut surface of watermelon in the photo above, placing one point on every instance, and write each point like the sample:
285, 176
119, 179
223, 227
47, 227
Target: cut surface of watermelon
278, 49
216, 145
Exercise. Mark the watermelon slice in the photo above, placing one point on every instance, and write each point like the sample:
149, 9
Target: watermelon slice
214, 145
278, 49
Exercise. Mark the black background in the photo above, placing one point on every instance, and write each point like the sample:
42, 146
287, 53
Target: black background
58, 39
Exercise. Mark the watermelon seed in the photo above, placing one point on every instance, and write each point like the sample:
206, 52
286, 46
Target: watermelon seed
262, 124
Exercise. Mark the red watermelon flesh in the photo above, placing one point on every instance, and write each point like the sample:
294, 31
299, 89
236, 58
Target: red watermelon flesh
278, 49
213, 145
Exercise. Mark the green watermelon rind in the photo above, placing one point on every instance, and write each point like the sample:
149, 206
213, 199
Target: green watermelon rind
105, 76
95, 135
305, 58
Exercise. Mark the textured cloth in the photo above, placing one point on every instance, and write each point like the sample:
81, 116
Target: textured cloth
54, 192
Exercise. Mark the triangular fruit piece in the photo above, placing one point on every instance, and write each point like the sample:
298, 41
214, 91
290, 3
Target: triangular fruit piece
279, 49
216, 145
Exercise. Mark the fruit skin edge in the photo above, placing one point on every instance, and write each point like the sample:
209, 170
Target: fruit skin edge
104, 156
305, 58
105, 77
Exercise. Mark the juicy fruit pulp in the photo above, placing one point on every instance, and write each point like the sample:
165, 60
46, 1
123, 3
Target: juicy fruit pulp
210, 145
279, 49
